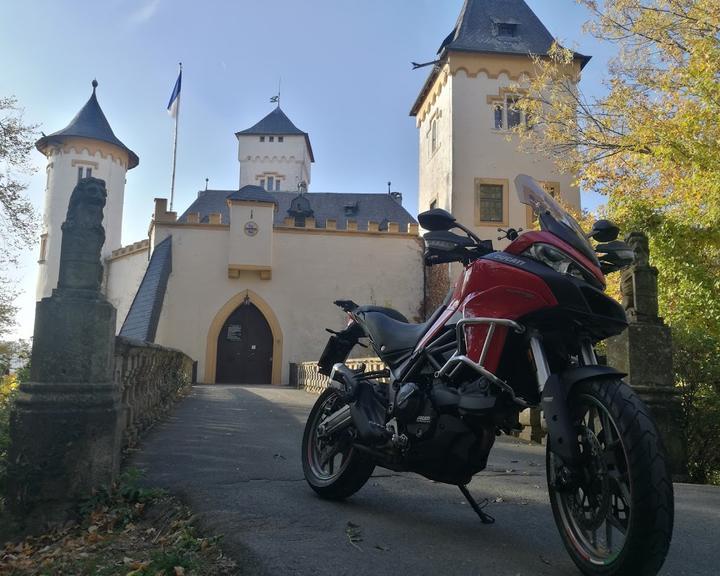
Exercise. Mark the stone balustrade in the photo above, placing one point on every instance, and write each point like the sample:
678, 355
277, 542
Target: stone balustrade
150, 379
310, 380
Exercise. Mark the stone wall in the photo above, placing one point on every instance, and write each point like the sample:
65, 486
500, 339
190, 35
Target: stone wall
150, 379
309, 380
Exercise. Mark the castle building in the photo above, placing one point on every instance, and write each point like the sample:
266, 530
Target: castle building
243, 280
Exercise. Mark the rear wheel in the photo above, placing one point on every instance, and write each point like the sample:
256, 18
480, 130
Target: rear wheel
615, 509
333, 467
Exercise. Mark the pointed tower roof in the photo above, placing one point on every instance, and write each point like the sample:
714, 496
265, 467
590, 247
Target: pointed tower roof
276, 124
498, 26
90, 122
495, 27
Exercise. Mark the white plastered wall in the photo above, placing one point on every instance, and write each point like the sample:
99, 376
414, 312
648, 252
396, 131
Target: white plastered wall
63, 163
480, 151
124, 275
289, 158
310, 271
436, 167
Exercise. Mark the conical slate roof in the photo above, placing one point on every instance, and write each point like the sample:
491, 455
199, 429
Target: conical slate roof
90, 122
276, 124
495, 27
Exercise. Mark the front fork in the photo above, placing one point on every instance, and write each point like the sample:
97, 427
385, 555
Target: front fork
554, 390
542, 369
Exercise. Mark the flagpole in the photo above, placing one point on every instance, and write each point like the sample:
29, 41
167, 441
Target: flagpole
177, 117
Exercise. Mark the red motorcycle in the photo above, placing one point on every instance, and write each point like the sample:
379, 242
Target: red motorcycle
517, 331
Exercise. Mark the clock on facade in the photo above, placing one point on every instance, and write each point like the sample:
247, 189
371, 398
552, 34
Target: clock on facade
251, 229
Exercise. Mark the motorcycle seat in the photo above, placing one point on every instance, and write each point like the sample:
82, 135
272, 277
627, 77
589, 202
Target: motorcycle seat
387, 331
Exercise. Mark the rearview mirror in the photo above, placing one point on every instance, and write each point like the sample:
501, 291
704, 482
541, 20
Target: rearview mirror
436, 219
604, 231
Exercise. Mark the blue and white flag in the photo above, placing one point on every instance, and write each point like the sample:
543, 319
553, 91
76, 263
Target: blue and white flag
174, 103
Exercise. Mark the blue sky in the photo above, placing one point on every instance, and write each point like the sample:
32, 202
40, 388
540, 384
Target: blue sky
346, 79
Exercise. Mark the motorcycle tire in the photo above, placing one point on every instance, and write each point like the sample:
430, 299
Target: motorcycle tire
348, 469
615, 510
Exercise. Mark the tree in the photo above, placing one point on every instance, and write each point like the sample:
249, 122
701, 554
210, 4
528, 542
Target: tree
18, 221
651, 145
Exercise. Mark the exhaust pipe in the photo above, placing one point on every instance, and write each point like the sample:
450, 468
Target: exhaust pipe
337, 421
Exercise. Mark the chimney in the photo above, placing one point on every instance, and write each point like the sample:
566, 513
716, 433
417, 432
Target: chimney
397, 196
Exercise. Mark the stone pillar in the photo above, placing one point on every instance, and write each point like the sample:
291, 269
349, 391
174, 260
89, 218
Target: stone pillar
644, 351
65, 427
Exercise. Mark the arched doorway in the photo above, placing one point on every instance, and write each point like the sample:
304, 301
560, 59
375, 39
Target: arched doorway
245, 347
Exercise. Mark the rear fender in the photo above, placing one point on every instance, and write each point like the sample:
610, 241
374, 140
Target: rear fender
561, 434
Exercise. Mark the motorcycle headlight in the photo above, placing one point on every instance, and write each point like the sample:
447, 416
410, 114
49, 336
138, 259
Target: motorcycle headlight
559, 261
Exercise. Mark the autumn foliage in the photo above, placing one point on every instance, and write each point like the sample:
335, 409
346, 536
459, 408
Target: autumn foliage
651, 145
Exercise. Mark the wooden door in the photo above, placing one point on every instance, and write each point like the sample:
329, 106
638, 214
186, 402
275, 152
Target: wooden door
245, 348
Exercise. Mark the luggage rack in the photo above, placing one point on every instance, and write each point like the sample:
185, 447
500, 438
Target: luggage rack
460, 359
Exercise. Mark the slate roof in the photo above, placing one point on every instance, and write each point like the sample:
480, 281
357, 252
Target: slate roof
476, 31
90, 122
252, 194
325, 205
142, 319
277, 124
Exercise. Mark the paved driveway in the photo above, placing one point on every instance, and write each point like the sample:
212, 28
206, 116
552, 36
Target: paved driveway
233, 452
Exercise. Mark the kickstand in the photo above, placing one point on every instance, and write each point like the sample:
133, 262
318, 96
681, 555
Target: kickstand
484, 516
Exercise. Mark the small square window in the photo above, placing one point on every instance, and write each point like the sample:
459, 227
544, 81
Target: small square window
262, 138
281, 138
272, 138
491, 202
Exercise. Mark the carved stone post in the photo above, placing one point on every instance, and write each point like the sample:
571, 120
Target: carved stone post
644, 351
65, 435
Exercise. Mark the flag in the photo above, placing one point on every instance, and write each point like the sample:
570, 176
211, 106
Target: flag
172, 106
275, 99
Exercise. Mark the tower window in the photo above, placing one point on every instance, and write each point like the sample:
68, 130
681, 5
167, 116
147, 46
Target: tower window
506, 29
270, 183
84, 172
277, 185
491, 201
43, 247
507, 115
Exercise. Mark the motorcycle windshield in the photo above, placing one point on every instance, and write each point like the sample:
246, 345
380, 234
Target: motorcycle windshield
563, 225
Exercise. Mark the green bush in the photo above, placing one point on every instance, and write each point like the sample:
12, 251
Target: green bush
697, 369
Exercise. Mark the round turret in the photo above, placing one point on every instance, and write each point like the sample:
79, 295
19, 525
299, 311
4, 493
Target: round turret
85, 147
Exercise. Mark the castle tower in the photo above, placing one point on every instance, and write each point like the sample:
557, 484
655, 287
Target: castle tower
274, 154
465, 113
85, 147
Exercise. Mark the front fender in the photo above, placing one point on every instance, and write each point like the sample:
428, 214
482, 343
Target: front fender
561, 434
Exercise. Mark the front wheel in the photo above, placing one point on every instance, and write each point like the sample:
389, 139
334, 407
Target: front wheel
333, 467
615, 509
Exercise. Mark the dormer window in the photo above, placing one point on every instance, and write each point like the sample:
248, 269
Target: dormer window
506, 29
351, 209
